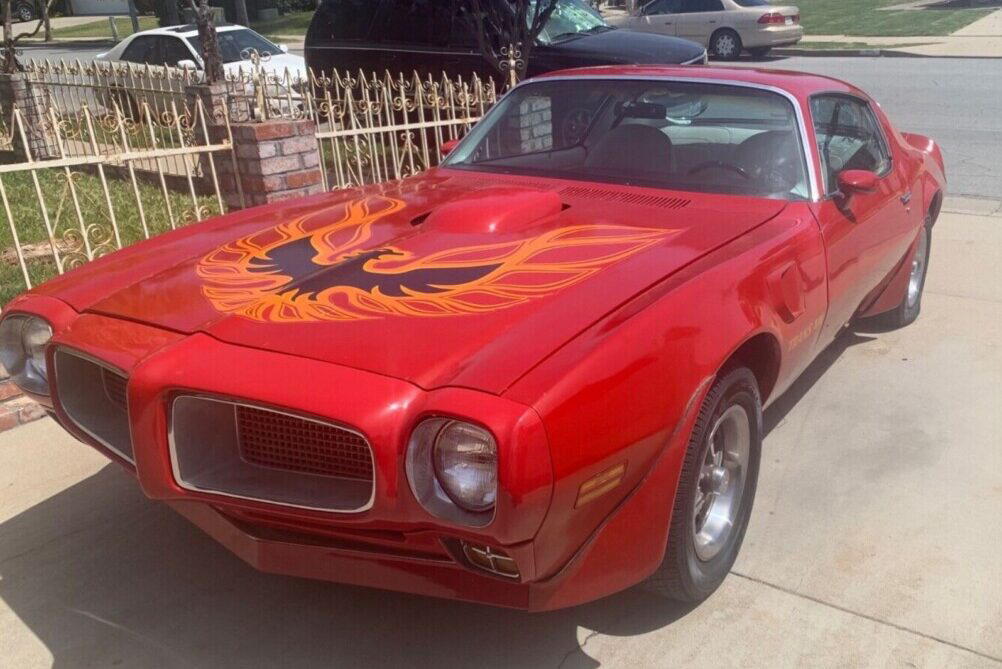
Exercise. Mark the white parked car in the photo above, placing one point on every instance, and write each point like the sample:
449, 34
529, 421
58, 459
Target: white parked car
178, 46
725, 27
247, 56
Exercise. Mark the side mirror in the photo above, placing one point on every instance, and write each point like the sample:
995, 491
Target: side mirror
857, 181
448, 146
284, 48
187, 64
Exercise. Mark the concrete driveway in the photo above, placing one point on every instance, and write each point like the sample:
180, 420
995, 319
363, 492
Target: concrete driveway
876, 537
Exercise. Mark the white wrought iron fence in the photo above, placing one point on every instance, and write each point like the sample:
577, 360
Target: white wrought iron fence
83, 200
369, 127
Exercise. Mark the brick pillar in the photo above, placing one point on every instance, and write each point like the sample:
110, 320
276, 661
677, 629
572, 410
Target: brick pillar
276, 160
218, 103
34, 104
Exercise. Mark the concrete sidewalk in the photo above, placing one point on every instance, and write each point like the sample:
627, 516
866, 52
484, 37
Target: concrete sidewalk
875, 539
981, 39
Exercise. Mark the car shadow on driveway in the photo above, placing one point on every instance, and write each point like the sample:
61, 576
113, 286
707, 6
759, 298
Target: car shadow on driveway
103, 576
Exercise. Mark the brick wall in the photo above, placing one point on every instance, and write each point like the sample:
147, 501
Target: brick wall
275, 160
15, 408
533, 126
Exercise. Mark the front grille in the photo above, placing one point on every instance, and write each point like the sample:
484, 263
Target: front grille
94, 398
236, 449
280, 441
114, 388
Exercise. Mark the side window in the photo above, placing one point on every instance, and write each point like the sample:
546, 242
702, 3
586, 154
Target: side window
662, 7
422, 22
142, 50
175, 50
691, 6
848, 137
342, 20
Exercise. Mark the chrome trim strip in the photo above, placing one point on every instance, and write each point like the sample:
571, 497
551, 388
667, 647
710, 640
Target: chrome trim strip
264, 407
812, 177
104, 365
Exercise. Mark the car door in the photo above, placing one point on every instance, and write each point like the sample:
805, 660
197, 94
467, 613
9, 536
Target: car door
865, 233
413, 36
658, 17
697, 19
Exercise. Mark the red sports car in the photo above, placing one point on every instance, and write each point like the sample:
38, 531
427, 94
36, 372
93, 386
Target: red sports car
531, 377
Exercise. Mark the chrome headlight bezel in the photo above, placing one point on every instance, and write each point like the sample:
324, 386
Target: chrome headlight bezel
23, 341
431, 484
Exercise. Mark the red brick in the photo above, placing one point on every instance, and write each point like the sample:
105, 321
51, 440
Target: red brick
277, 165
295, 145
29, 410
301, 179
8, 418
307, 127
257, 150
252, 183
8, 390
265, 131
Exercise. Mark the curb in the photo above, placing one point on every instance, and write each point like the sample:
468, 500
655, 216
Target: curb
867, 53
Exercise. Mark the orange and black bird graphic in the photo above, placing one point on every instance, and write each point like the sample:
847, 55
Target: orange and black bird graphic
322, 267
297, 260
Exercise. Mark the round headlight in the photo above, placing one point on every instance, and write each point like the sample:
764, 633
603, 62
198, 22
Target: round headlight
22, 351
466, 465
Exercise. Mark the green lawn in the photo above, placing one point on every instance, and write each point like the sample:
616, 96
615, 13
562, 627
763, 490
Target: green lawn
290, 25
865, 18
101, 28
31, 229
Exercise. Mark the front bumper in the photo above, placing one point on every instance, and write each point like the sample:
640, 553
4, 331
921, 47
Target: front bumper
395, 544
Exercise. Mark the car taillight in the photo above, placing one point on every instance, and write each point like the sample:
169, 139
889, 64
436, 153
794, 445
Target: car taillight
772, 18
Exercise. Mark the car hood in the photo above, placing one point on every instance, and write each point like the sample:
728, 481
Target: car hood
450, 278
630, 47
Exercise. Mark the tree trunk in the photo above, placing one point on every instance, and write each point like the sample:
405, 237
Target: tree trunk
210, 43
9, 63
172, 16
44, 4
134, 15
241, 10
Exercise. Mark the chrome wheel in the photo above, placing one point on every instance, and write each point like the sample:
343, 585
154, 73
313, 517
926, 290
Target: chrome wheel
917, 278
724, 46
24, 13
722, 477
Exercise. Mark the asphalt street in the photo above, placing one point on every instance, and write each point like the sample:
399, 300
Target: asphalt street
953, 100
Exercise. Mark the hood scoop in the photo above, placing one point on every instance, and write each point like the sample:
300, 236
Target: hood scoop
495, 210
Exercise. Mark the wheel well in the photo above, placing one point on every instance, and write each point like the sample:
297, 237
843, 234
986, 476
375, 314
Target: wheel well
760, 354
935, 206
723, 30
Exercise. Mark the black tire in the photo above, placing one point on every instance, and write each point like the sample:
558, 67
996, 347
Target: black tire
726, 44
760, 51
683, 575
908, 310
24, 13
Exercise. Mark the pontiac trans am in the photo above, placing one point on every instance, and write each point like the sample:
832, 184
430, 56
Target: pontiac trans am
530, 377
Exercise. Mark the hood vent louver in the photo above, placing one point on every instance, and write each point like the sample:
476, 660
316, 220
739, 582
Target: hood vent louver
625, 198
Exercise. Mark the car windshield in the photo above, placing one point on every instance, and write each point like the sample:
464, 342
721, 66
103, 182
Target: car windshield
714, 138
570, 19
753, 3
237, 45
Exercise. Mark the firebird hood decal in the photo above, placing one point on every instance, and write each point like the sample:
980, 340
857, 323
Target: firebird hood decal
312, 269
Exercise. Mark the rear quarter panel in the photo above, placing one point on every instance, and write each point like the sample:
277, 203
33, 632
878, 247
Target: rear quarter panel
617, 393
